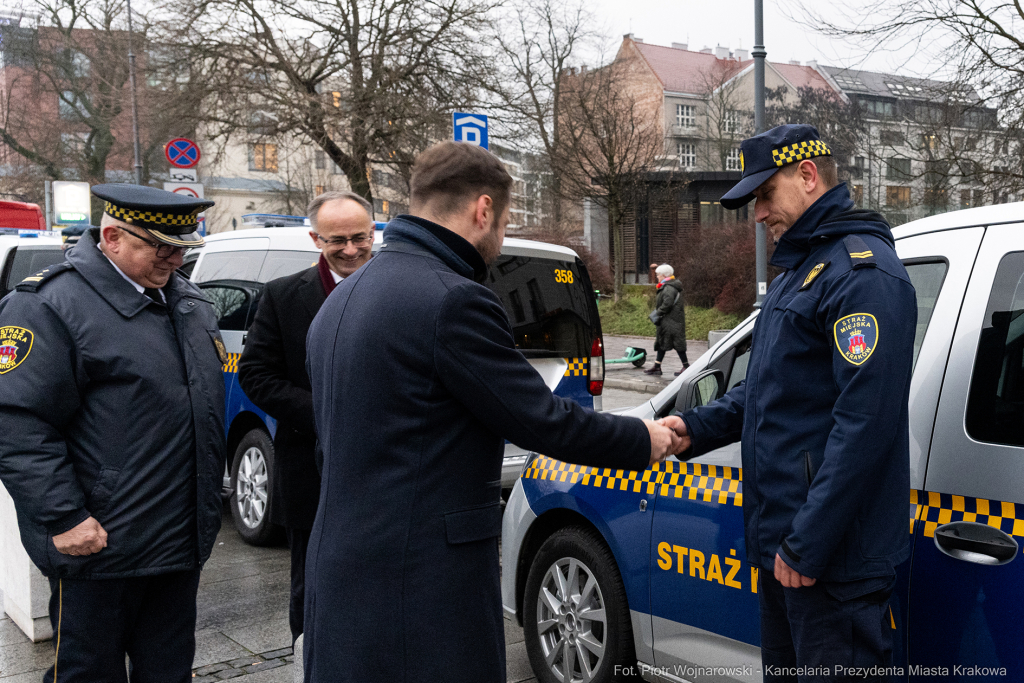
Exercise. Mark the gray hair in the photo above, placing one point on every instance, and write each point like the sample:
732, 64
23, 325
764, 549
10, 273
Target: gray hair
314, 206
664, 270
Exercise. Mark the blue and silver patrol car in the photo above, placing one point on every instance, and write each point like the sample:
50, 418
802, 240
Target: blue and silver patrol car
545, 288
613, 572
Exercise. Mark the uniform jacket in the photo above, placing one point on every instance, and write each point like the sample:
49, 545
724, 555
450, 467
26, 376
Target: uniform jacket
416, 384
114, 409
272, 373
672, 328
823, 413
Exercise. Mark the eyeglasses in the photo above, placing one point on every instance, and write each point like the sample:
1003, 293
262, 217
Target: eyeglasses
358, 241
162, 250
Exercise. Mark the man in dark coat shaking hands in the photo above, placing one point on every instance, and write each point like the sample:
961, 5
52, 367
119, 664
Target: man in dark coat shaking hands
402, 578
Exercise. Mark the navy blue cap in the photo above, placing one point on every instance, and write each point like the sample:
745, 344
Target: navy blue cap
763, 155
170, 218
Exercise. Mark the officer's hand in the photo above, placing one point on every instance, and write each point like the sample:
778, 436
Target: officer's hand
789, 577
664, 441
85, 539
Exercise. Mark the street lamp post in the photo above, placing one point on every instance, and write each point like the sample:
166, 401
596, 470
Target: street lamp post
761, 232
135, 102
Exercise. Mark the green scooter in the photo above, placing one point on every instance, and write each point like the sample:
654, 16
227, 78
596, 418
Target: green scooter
636, 356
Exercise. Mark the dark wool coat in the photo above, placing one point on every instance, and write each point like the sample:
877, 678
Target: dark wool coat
272, 373
672, 328
114, 409
416, 384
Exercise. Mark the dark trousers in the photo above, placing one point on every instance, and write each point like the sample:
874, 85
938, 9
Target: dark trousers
682, 357
807, 628
96, 623
298, 541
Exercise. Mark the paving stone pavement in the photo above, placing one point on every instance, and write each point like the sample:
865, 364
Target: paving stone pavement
626, 376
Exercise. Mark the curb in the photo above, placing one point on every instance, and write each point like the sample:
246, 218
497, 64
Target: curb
633, 385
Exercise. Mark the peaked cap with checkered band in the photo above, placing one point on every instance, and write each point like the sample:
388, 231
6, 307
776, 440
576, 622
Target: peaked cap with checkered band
763, 155
168, 217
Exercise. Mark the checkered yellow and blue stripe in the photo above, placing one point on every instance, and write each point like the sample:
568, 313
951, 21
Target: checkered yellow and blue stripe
575, 367
800, 151
710, 483
154, 218
232, 364
935, 509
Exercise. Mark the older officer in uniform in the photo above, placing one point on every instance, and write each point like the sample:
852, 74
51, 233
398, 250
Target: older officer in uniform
822, 415
272, 370
416, 383
112, 403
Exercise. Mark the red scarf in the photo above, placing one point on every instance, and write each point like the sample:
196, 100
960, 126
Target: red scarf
662, 283
326, 278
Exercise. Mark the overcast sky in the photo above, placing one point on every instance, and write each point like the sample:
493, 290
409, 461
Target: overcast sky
730, 23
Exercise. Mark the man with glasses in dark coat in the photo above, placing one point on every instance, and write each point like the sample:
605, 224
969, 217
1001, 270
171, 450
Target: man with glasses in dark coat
112, 447
272, 370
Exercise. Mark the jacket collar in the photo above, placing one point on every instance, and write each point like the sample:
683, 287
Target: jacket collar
93, 265
796, 243
457, 253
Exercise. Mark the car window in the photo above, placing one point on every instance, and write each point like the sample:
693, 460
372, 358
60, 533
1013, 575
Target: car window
739, 366
548, 304
232, 265
230, 304
995, 403
29, 259
927, 277
281, 263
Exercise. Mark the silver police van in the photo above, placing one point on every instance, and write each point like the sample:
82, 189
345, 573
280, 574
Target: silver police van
612, 572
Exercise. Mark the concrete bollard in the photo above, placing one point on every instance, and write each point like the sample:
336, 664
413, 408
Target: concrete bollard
298, 659
715, 336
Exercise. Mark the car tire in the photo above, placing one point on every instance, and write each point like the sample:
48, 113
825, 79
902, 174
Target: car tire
562, 624
251, 491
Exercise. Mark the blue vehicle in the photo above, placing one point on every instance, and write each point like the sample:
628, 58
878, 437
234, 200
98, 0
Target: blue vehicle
611, 571
545, 289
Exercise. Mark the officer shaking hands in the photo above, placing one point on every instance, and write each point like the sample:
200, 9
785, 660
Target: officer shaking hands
112, 401
822, 415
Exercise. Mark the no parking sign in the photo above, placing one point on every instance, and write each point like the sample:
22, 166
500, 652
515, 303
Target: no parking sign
189, 190
182, 153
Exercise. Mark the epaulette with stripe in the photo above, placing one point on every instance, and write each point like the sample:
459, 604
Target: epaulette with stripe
860, 253
34, 282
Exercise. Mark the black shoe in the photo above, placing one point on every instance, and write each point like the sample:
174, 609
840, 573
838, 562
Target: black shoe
656, 370
685, 365
679, 372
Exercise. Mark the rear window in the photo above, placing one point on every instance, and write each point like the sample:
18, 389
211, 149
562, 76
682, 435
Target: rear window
549, 303
282, 263
28, 260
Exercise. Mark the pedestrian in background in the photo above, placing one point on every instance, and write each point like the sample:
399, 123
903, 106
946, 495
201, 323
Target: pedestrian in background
272, 369
417, 383
670, 313
112, 447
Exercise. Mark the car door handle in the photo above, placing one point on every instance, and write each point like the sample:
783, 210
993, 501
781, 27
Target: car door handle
973, 542
244, 337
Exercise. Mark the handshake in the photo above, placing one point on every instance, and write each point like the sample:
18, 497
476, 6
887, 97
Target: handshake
668, 437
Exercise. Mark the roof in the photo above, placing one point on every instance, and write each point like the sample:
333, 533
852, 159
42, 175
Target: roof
965, 218
856, 82
685, 71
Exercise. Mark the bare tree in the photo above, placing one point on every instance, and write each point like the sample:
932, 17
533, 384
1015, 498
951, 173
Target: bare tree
610, 140
367, 81
839, 122
726, 119
538, 39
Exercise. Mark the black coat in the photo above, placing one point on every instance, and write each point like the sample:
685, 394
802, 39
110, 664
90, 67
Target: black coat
672, 328
416, 383
114, 409
272, 373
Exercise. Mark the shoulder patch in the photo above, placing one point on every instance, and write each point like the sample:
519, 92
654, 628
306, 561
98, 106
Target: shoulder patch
15, 345
856, 337
860, 253
34, 282
815, 272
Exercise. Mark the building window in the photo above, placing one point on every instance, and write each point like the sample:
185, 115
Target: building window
858, 195
336, 99
936, 197
897, 197
897, 168
732, 162
891, 137
732, 123
686, 116
687, 154
878, 108
263, 157
319, 190
930, 142
321, 161
979, 198
70, 106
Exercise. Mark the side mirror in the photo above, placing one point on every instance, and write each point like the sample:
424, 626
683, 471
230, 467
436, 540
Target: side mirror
700, 390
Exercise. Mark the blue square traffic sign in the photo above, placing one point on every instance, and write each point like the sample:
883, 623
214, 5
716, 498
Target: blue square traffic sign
471, 128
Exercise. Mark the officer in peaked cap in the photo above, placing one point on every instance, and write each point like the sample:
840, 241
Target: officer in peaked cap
112, 401
822, 415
